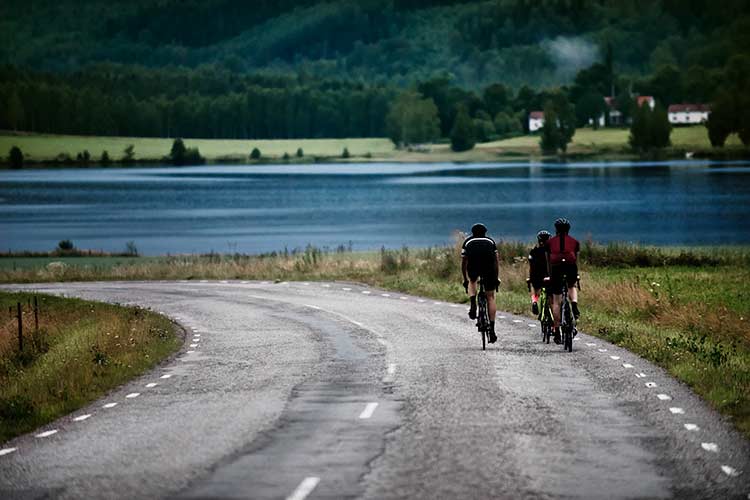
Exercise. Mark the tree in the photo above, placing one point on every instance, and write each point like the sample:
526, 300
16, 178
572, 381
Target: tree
105, 158
550, 134
650, 128
15, 112
345, 153
462, 135
16, 157
177, 154
128, 154
300, 153
412, 119
507, 125
559, 124
589, 108
496, 98
255, 154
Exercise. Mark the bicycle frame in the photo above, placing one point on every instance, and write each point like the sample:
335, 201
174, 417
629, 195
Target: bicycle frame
483, 319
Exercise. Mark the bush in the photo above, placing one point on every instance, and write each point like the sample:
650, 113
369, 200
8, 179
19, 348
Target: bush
255, 154
300, 153
65, 245
462, 135
345, 153
128, 154
15, 157
286, 156
105, 158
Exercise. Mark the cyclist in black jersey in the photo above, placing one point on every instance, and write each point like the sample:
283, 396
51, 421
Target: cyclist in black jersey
479, 257
538, 268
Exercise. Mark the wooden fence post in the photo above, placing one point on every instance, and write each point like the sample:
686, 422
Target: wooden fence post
36, 316
20, 327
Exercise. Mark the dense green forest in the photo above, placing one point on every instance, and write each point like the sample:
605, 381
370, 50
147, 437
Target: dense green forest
307, 68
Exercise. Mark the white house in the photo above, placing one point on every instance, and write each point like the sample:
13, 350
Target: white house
688, 114
536, 120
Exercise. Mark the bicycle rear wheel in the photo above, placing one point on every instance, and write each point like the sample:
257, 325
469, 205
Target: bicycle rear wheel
483, 322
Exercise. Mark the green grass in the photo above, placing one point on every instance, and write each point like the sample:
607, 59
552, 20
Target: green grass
81, 351
685, 309
47, 147
602, 142
586, 139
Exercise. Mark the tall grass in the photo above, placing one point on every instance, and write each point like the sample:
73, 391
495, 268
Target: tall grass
80, 351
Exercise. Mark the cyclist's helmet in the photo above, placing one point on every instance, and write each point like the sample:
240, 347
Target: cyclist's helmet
542, 236
562, 225
478, 229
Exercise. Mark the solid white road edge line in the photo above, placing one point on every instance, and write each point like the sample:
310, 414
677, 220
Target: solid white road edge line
304, 489
369, 410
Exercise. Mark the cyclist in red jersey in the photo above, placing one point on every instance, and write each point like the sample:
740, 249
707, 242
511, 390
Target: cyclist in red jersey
562, 256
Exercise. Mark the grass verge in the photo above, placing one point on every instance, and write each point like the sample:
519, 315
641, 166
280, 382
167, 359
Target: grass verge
81, 350
684, 309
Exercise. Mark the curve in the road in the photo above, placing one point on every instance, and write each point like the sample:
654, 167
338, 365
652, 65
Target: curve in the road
339, 390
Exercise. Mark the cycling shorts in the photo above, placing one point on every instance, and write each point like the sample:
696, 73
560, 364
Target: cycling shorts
488, 278
556, 273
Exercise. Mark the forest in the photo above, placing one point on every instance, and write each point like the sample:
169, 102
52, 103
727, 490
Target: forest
305, 68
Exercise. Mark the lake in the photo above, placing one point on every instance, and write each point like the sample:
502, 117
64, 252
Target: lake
255, 209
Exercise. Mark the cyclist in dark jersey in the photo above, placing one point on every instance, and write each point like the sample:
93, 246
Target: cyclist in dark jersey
479, 258
562, 255
538, 268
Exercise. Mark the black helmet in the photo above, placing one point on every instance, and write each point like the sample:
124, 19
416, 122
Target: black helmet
478, 229
542, 236
562, 225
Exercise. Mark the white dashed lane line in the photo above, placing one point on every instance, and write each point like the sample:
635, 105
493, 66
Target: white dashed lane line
385, 295
590, 344
650, 385
692, 427
193, 345
46, 433
627, 365
664, 397
347, 289
109, 405
712, 447
368, 411
82, 418
677, 411
7, 451
304, 489
517, 321
166, 376
640, 375
614, 357
366, 292
602, 350
151, 385
133, 395
730, 471
532, 325
404, 298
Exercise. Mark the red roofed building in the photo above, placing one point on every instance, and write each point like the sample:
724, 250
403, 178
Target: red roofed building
688, 114
536, 120
645, 99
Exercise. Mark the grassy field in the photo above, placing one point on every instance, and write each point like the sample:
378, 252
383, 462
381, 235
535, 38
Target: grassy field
605, 142
48, 147
588, 140
81, 350
684, 309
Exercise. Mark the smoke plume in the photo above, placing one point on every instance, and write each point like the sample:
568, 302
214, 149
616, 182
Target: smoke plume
571, 54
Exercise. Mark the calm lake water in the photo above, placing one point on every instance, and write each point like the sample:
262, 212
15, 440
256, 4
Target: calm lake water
254, 209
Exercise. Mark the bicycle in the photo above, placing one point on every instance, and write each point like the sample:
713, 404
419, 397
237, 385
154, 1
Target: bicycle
567, 318
483, 318
545, 311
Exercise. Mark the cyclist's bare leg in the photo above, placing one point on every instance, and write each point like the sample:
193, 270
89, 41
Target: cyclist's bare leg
472, 288
491, 306
573, 294
556, 309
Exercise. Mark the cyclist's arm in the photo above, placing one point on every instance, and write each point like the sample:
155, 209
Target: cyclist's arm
497, 264
464, 267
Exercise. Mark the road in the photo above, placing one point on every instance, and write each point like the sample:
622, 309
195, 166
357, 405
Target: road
331, 390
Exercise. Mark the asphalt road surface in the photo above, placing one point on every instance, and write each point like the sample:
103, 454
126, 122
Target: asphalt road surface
331, 390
